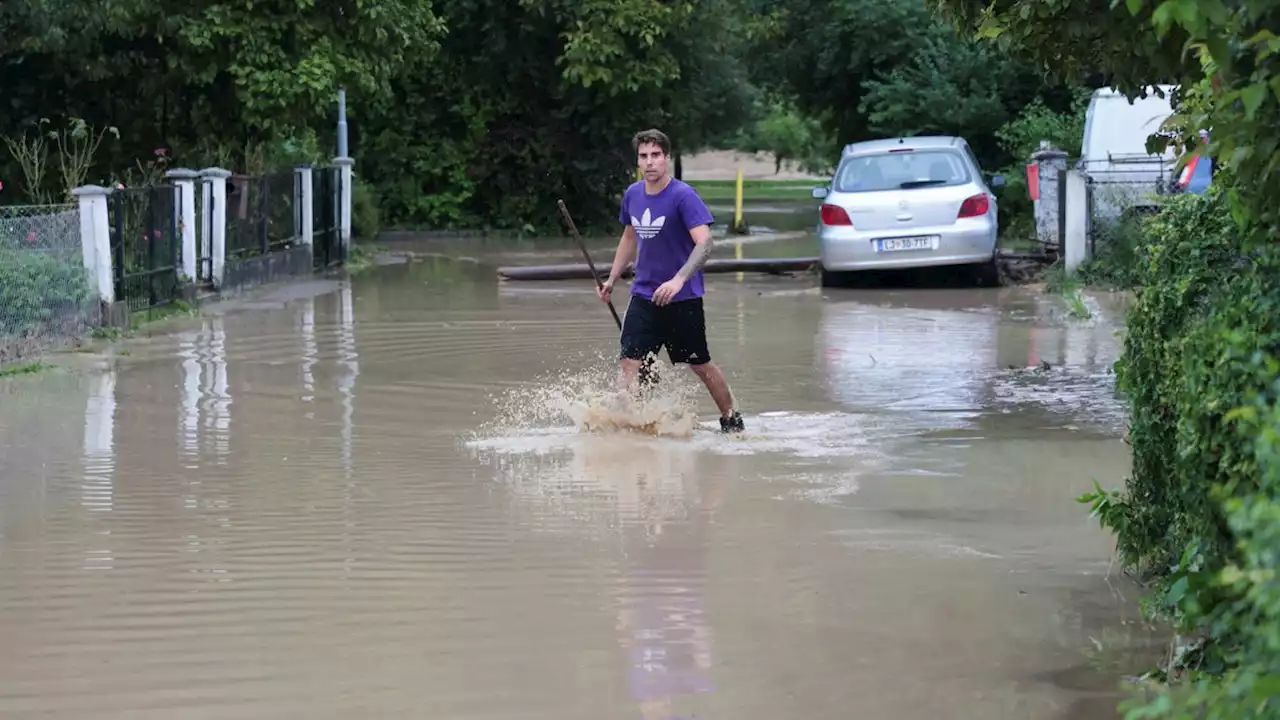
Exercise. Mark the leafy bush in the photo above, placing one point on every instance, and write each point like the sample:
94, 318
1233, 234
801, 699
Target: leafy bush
366, 219
1198, 516
1119, 253
38, 291
1020, 138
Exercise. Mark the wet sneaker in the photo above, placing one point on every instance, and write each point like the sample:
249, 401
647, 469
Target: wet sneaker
731, 424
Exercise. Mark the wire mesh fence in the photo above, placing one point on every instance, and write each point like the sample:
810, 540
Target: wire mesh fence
46, 296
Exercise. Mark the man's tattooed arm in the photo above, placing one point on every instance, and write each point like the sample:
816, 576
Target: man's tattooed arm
697, 258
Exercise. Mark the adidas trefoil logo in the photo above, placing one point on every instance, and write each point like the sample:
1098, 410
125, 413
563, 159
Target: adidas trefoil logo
647, 226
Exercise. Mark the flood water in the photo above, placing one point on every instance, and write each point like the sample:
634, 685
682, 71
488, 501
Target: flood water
357, 499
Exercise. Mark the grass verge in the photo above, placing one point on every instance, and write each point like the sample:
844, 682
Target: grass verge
24, 369
361, 257
143, 319
1069, 287
756, 191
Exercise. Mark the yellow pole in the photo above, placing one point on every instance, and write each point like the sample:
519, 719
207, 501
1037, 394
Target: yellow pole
737, 205
737, 252
638, 175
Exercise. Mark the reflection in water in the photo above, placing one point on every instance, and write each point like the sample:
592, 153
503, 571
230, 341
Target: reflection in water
99, 442
308, 355
204, 391
908, 359
1068, 371
662, 607
97, 488
191, 392
349, 360
219, 422
742, 322
659, 494
939, 369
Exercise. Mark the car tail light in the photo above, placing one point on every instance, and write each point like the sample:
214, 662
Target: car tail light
976, 206
834, 215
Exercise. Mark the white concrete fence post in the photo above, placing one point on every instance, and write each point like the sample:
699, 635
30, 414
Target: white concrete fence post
1075, 243
215, 208
306, 203
184, 190
95, 240
1049, 162
345, 165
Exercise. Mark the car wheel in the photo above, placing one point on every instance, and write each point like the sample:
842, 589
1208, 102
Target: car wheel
987, 274
831, 278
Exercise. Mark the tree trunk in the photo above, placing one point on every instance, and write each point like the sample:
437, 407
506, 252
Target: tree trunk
679, 171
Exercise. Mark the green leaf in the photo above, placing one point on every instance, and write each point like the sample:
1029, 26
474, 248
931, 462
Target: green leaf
1265, 688
1220, 51
1252, 96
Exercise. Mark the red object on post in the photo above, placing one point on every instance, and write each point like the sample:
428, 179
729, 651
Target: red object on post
1033, 181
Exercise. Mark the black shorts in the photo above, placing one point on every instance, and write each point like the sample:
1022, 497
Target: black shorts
678, 326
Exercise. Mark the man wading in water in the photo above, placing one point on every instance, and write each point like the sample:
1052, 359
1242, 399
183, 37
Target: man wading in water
671, 227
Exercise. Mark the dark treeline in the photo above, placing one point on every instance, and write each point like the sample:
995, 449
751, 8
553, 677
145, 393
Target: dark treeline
480, 113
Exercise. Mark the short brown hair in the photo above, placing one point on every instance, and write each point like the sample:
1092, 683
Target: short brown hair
652, 135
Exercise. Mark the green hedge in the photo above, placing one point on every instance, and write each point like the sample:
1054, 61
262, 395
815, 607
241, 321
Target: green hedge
39, 292
1198, 516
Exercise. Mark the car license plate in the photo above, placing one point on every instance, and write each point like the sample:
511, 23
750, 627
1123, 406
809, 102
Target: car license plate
920, 242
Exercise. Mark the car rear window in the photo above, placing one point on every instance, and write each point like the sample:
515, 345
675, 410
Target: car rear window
903, 170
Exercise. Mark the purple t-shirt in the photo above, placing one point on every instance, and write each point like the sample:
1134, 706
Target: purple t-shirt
662, 224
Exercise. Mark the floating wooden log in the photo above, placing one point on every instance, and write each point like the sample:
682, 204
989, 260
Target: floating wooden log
771, 266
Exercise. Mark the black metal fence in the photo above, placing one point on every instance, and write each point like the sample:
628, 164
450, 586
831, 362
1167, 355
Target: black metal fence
326, 186
145, 245
263, 214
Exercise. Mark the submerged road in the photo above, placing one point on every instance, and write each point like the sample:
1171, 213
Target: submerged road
365, 499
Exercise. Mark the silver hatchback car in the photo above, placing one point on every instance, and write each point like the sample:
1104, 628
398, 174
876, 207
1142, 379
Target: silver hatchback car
908, 203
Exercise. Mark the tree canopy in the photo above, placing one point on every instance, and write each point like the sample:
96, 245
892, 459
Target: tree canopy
874, 68
481, 113
1224, 52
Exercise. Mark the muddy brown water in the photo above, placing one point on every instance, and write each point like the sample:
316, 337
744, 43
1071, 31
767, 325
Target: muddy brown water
352, 499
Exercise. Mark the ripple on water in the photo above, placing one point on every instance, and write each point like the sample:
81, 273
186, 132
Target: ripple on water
1075, 396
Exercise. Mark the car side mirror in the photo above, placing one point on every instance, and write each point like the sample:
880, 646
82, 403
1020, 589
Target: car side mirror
820, 193
997, 181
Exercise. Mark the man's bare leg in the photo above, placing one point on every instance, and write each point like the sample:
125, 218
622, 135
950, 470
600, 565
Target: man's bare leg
711, 376
635, 375
629, 375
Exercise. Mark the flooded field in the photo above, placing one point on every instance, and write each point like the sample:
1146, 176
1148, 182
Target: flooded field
366, 498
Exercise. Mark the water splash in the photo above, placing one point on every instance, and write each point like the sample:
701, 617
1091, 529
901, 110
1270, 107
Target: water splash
588, 398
